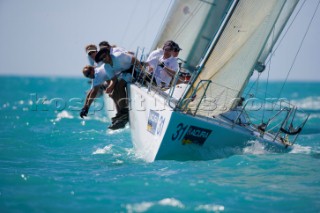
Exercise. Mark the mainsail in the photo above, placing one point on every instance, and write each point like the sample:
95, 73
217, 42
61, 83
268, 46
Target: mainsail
247, 37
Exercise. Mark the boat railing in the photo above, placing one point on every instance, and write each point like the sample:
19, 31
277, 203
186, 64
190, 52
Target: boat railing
280, 118
143, 78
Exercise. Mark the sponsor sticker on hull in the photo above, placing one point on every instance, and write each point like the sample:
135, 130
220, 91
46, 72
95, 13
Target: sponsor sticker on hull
189, 134
152, 121
196, 135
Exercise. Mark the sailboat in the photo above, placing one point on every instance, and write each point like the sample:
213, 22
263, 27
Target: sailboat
212, 115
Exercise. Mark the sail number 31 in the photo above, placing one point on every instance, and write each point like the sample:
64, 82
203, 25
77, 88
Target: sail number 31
181, 129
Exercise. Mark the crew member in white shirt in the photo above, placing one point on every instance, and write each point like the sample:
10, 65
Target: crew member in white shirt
120, 64
98, 75
165, 67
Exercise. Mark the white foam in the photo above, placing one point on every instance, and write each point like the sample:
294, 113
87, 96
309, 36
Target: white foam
95, 117
298, 149
255, 148
104, 150
308, 103
171, 202
210, 208
64, 114
145, 206
111, 132
140, 207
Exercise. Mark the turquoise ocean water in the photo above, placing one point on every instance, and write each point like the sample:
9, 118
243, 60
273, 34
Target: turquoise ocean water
53, 161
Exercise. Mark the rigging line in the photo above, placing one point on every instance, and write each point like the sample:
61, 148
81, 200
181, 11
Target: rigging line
154, 15
164, 18
147, 24
300, 46
128, 23
288, 28
192, 14
256, 81
268, 76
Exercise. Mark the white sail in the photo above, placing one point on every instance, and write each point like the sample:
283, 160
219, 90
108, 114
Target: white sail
192, 24
278, 27
246, 37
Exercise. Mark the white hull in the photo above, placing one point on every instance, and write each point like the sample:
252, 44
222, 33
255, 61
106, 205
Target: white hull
159, 133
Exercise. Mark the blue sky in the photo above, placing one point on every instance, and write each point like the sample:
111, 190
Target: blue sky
47, 38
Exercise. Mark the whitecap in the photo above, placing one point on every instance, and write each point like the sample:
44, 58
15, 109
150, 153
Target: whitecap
140, 207
210, 208
308, 103
104, 150
64, 114
171, 202
145, 206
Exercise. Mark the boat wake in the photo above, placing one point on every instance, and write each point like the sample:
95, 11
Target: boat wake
255, 148
298, 149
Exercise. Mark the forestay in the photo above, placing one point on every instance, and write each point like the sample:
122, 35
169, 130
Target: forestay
247, 38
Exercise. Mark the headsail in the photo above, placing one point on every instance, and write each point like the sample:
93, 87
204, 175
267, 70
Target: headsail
246, 39
192, 24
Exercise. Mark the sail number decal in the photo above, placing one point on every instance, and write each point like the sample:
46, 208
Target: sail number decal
181, 129
155, 123
191, 134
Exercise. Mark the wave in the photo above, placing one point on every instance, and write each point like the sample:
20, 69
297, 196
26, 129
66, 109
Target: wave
171, 203
255, 148
104, 150
145, 206
117, 154
64, 114
308, 104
